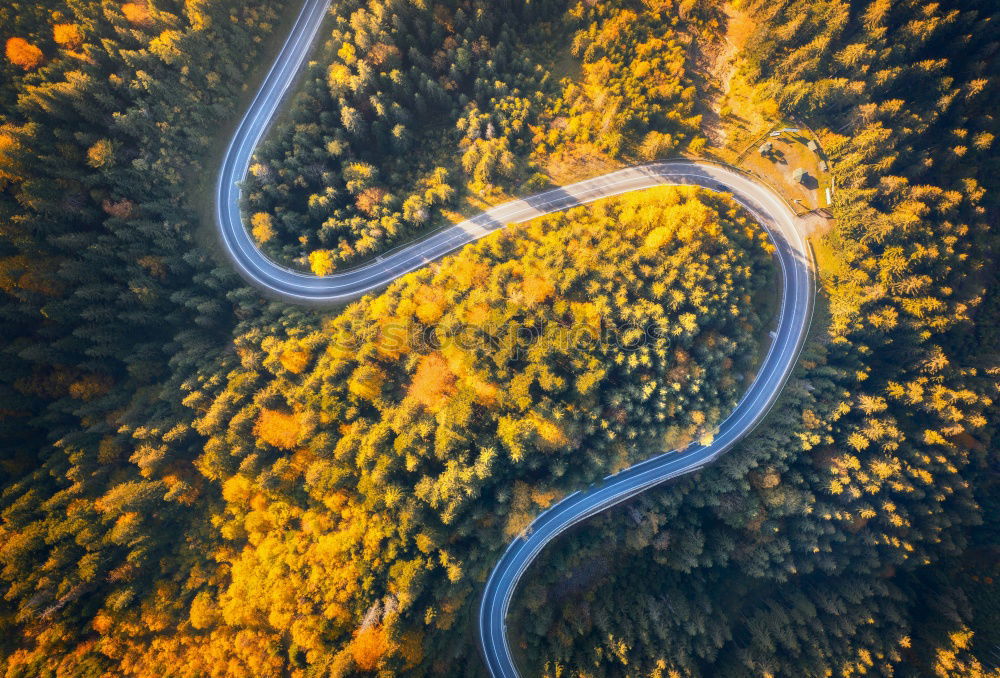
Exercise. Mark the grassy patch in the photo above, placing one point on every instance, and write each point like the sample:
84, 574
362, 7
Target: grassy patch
577, 163
789, 152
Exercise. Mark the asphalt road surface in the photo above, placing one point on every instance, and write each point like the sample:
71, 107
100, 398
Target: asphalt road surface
794, 316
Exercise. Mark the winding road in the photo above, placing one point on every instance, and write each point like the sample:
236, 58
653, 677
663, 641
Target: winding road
792, 253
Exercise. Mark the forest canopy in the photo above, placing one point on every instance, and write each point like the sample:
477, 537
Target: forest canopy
196, 481
407, 115
433, 421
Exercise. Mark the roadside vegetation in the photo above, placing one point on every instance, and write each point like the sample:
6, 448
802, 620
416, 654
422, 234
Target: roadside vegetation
432, 422
855, 534
196, 481
409, 116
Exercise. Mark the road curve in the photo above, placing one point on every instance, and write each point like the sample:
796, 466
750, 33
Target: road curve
793, 318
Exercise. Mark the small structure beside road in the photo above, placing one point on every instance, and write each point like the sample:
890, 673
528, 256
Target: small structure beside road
791, 159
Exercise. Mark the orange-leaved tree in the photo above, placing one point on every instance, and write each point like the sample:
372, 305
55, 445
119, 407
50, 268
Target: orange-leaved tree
23, 54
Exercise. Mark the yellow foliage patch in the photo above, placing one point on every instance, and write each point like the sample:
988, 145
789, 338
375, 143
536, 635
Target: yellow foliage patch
294, 360
476, 314
392, 340
486, 393
537, 289
8, 150
339, 77
370, 644
543, 497
90, 387
370, 200
258, 170
262, 227
469, 272
204, 611
429, 312
23, 54
280, 429
347, 53
236, 490
550, 433
67, 35
102, 623
321, 262
432, 305
366, 382
137, 13
100, 154
433, 383
525, 504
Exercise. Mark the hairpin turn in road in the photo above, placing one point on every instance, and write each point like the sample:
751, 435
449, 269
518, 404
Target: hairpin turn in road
792, 253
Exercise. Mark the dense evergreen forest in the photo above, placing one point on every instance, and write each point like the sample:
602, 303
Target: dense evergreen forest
196, 481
